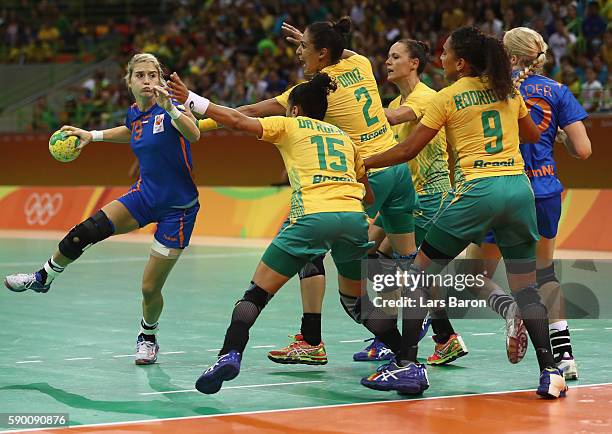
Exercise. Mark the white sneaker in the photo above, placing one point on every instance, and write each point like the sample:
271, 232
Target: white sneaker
146, 351
21, 282
567, 365
517, 338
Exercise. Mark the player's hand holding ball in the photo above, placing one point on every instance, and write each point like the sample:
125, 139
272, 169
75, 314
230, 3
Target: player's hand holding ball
65, 145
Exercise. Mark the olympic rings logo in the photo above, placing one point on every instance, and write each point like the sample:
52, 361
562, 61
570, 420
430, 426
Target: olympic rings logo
40, 208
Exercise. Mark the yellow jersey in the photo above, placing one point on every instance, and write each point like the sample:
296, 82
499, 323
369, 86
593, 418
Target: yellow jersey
429, 168
356, 107
322, 162
481, 130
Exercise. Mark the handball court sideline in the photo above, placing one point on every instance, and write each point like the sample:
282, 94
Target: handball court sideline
69, 351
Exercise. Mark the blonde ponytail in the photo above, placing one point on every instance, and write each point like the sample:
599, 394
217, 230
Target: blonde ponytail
530, 49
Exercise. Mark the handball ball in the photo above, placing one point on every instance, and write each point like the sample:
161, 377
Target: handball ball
64, 148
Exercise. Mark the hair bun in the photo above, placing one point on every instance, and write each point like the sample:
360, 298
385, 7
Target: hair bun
323, 83
425, 46
343, 25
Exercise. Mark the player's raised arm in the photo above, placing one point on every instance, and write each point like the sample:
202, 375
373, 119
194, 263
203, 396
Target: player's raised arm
185, 124
117, 135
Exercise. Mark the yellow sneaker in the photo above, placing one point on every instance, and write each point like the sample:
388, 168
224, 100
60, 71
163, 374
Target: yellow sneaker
300, 352
451, 350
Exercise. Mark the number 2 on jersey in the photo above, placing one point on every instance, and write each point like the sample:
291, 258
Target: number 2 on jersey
495, 131
339, 166
362, 91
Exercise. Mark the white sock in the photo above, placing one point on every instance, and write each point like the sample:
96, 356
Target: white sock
558, 326
148, 329
53, 269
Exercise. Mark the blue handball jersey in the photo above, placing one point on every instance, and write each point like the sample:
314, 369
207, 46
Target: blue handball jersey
166, 179
551, 105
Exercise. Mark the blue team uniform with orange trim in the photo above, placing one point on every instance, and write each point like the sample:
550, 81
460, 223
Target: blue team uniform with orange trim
551, 106
166, 192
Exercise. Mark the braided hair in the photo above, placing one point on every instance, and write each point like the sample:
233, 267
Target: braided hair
530, 48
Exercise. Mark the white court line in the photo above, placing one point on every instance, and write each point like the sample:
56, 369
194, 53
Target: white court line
578, 330
79, 358
608, 328
173, 352
263, 346
30, 361
248, 386
142, 258
482, 334
214, 349
350, 342
123, 355
284, 410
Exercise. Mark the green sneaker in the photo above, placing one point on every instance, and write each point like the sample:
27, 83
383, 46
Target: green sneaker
300, 352
451, 350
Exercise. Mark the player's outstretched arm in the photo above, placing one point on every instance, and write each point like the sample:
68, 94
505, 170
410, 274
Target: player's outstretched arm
405, 151
576, 140
400, 115
182, 121
233, 119
117, 135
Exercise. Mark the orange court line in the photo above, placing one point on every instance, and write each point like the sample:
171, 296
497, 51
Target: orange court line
585, 409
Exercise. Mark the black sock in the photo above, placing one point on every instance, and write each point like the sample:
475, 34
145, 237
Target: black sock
535, 319
392, 339
244, 315
311, 328
441, 326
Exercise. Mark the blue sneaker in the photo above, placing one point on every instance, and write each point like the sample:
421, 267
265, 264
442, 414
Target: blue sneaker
21, 282
409, 380
552, 384
226, 368
377, 351
374, 352
425, 327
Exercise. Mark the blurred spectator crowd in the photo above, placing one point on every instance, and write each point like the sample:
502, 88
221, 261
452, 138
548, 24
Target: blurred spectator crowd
232, 51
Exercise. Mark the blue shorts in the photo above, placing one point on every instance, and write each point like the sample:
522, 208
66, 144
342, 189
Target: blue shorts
548, 213
174, 225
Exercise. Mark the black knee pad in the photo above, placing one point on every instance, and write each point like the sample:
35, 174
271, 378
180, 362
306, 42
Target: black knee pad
546, 275
313, 268
93, 230
256, 295
435, 255
527, 296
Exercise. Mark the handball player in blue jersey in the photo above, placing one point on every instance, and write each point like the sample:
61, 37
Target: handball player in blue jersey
159, 132
559, 117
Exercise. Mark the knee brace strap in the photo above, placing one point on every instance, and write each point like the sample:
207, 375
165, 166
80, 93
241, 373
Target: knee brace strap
313, 268
527, 296
546, 275
95, 229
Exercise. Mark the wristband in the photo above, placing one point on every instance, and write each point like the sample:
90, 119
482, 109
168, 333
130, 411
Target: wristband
174, 113
97, 136
197, 104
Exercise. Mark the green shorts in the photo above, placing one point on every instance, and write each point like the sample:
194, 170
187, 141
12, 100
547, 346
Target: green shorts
313, 235
504, 204
394, 198
424, 215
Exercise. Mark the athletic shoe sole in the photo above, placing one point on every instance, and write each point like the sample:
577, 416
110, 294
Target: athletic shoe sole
297, 362
212, 384
404, 389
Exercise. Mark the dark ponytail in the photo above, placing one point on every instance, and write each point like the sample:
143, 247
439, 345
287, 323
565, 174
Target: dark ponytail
419, 50
311, 95
330, 35
487, 57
